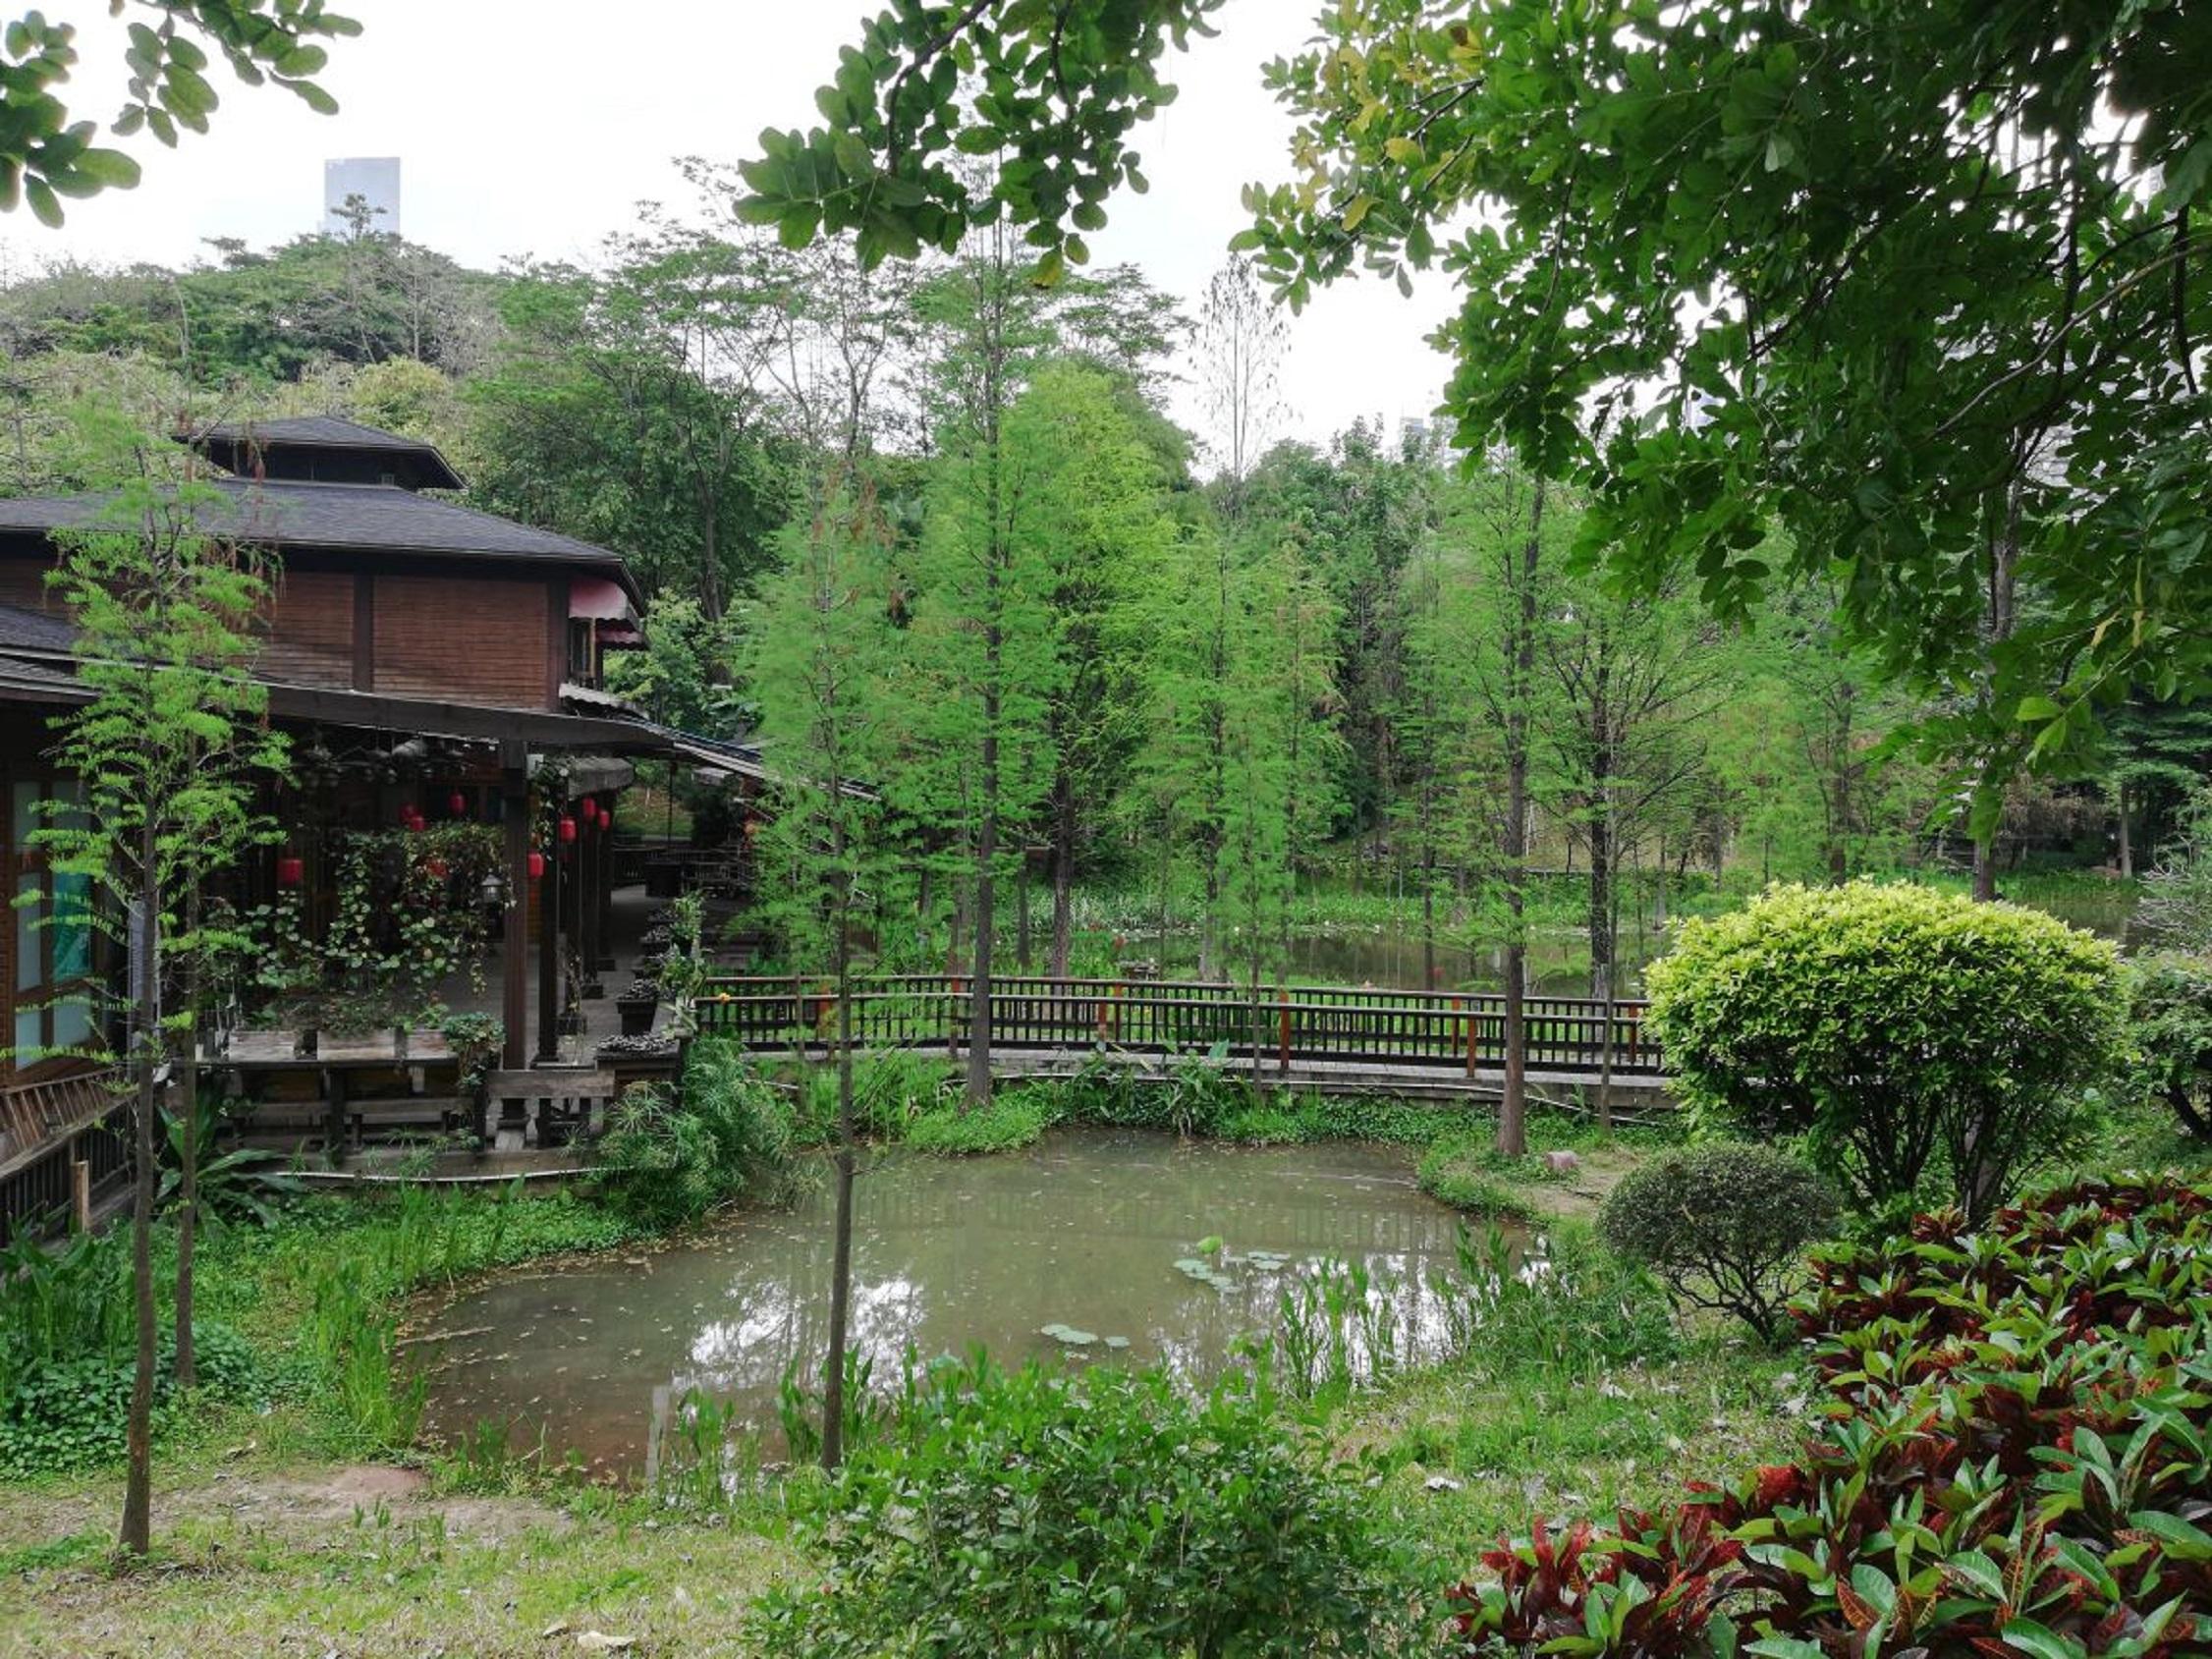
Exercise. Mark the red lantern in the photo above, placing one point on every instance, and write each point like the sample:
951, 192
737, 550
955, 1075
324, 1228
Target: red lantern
290, 872
458, 804
568, 829
436, 868
606, 816
537, 866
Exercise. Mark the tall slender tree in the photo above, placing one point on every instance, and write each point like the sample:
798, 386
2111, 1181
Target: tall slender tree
167, 748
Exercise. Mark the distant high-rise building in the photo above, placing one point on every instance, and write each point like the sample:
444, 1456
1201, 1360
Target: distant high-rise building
375, 181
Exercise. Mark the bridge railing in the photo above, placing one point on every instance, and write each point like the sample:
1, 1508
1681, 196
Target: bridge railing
48, 1128
1302, 1023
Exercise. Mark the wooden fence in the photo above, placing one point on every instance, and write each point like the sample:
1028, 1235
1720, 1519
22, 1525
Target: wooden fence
1568, 1038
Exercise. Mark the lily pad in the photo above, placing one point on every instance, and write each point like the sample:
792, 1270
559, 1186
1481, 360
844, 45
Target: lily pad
1067, 1334
1117, 1343
1210, 1244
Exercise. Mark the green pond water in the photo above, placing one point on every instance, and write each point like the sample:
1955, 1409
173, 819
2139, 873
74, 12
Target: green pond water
1083, 1233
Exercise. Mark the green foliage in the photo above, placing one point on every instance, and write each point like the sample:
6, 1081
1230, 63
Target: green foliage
1723, 1224
2176, 906
1063, 90
1101, 1514
68, 1414
1014, 1118
1461, 1169
2170, 1030
60, 1304
2012, 1459
1904, 1034
245, 1182
630, 407
669, 1159
46, 155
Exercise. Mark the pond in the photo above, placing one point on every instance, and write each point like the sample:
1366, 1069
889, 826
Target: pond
1081, 1236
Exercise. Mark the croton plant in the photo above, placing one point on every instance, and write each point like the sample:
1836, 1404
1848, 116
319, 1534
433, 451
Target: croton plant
2014, 1460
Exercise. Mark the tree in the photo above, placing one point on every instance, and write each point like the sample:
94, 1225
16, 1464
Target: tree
167, 747
2160, 753
1730, 264
44, 155
1484, 638
637, 408
1635, 681
820, 658
1907, 1033
1241, 338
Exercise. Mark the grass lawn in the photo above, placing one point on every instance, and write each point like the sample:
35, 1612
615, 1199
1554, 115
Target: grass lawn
264, 1556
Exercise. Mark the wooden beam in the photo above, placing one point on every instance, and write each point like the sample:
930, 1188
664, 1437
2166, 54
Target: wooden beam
514, 971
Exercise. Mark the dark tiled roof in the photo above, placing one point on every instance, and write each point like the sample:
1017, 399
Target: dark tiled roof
367, 518
35, 631
290, 448
319, 429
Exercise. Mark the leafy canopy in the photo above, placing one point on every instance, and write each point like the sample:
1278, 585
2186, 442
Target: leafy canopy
44, 155
1052, 89
1913, 276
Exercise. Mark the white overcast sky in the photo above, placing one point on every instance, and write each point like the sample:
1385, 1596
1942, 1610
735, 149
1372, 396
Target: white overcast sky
534, 126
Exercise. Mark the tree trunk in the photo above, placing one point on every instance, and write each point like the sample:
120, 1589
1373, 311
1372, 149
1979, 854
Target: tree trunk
2126, 849
2002, 555
136, 1536
987, 856
1063, 877
1021, 911
187, 1191
1513, 1103
841, 1249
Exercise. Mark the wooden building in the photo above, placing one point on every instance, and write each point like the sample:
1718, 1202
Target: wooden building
463, 648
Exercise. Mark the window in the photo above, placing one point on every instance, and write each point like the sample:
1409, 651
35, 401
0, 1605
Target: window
53, 953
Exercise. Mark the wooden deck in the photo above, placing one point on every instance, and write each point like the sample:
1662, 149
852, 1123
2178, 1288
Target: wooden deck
1323, 1037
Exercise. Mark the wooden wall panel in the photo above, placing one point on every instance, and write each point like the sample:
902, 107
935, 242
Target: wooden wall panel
463, 640
308, 638
23, 582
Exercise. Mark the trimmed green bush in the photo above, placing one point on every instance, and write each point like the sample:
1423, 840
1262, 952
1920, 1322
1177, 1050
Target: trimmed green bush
1906, 1034
1723, 1224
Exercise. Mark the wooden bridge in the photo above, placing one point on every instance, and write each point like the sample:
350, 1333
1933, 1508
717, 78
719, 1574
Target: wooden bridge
1308, 1037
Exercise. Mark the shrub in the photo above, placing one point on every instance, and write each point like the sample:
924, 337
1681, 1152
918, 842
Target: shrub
2015, 1463
1723, 1224
1901, 1031
667, 1160
1109, 1515
2170, 1024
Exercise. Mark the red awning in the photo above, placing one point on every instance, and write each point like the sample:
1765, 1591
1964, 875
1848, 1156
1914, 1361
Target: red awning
596, 597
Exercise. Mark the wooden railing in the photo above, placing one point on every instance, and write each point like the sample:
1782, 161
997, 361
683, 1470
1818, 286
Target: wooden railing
47, 1128
1567, 1036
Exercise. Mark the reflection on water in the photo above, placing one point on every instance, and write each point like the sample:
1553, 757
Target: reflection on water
1086, 1230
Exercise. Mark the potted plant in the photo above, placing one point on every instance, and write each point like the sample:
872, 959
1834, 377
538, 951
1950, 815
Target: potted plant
636, 1005
683, 968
